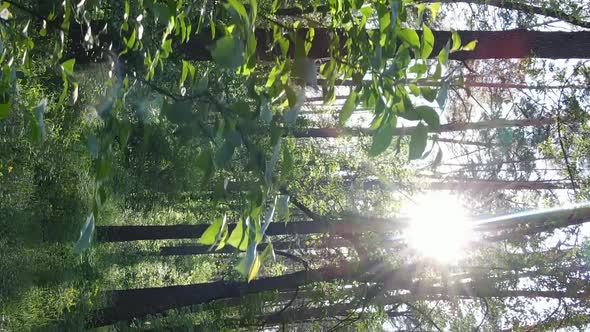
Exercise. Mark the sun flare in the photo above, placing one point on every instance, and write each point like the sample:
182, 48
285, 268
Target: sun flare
439, 227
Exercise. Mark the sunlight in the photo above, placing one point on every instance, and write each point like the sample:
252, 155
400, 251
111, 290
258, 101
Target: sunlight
439, 228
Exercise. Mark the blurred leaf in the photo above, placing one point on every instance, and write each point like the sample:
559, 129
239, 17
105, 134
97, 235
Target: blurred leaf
265, 112
441, 98
268, 217
382, 138
240, 9
418, 141
228, 52
438, 159
395, 4
305, 69
86, 233
4, 110
205, 163
37, 122
272, 163
429, 115
428, 93
348, 108
269, 251
282, 207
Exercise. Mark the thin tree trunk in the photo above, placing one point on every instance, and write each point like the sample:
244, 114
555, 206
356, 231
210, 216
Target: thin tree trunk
475, 185
449, 127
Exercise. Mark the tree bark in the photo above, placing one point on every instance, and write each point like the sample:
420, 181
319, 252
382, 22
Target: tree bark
137, 303
449, 127
510, 44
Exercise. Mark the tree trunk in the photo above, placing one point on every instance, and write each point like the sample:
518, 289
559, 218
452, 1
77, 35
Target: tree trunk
137, 303
449, 127
475, 185
548, 11
510, 44
349, 226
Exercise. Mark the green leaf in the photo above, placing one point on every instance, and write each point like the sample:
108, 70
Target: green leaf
418, 141
240, 9
228, 52
428, 93
429, 115
348, 108
68, 66
443, 58
86, 233
410, 36
131, 41
469, 46
456, 41
212, 233
4, 110
427, 41
238, 238
184, 74
382, 138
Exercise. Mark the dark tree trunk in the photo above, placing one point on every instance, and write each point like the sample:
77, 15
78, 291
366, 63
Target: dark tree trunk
491, 44
136, 303
349, 226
